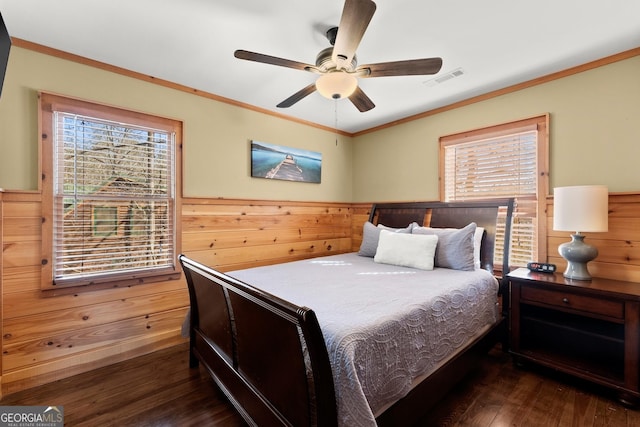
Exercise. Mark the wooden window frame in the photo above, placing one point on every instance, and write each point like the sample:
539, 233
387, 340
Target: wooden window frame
541, 125
49, 103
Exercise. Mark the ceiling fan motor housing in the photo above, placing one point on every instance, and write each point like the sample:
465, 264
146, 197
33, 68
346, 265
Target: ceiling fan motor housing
325, 63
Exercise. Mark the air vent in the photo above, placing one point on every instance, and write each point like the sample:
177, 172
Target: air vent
445, 77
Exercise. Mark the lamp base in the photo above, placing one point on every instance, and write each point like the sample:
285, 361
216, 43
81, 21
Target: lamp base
578, 254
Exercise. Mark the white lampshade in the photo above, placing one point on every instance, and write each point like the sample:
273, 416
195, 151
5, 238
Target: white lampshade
581, 208
336, 84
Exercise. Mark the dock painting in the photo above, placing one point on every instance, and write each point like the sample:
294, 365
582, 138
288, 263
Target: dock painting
286, 163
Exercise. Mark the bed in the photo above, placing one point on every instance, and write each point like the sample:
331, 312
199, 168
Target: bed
359, 339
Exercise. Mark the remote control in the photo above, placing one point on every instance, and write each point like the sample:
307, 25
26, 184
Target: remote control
541, 267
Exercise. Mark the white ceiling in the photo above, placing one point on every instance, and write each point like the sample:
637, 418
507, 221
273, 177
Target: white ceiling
497, 43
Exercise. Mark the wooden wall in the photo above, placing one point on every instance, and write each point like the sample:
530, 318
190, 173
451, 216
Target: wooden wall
47, 338
618, 249
234, 234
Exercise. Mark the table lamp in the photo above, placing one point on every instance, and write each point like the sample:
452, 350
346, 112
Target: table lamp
581, 209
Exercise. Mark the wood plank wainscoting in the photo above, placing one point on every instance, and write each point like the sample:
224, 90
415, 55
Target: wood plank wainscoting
619, 248
49, 338
235, 234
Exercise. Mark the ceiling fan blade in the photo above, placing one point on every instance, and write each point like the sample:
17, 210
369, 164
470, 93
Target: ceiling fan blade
355, 19
297, 96
273, 60
411, 67
361, 100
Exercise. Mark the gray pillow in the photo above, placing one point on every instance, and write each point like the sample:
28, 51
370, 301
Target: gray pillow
455, 247
371, 235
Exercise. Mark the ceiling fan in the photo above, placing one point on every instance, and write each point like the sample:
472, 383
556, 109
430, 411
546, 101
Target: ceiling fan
337, 65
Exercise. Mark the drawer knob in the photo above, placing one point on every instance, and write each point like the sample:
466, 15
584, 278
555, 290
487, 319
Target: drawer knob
565, 300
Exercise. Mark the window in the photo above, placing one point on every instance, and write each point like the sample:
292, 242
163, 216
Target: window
110, 203
105, 221
509, 160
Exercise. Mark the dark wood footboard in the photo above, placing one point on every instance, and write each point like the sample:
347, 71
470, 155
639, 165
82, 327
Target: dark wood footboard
266, 354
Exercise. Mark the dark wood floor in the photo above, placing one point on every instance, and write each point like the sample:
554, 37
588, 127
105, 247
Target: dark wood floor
160, 390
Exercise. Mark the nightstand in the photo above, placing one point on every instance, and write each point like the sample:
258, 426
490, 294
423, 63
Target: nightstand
589, 329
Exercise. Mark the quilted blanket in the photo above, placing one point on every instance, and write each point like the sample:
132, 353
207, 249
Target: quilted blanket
385, 327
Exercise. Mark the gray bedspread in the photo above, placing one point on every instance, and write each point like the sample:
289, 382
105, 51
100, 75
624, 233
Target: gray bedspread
385, 326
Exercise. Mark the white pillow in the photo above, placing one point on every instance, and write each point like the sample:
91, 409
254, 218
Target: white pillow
406, 250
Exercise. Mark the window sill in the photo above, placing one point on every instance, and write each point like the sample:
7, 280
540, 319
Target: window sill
80, 286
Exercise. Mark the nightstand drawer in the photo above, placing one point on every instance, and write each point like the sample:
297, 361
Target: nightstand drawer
598, 306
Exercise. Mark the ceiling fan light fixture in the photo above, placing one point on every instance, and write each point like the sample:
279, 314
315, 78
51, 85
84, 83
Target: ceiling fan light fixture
336, 84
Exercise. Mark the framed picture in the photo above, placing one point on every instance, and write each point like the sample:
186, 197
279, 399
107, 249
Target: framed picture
272, 161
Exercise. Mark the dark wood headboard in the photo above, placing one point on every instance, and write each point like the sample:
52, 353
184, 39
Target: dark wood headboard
455, 215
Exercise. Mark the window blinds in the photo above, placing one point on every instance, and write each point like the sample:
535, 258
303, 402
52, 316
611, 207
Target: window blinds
114, 197
501, 166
